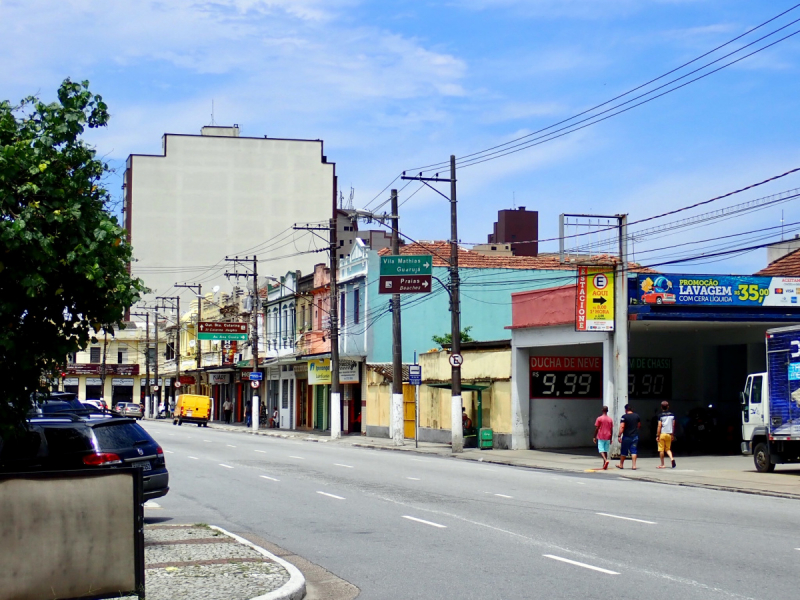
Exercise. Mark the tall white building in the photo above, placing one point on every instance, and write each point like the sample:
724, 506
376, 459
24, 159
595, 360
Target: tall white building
218, 194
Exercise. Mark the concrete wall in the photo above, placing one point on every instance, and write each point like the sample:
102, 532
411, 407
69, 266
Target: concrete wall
379, 394
209, 197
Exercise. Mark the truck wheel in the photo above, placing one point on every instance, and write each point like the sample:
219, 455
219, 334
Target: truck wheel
761, 459
205, 424
180, 422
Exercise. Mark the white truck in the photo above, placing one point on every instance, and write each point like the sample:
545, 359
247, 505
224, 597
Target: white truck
771, 403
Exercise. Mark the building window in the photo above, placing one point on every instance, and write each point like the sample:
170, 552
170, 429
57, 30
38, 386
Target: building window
72, 358
169, 354
122, 355
342, 309
356, 305
94, 355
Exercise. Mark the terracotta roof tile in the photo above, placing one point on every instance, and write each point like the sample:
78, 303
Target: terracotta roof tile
469, 259
785, 266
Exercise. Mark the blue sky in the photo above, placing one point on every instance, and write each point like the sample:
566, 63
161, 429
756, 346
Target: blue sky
394, 85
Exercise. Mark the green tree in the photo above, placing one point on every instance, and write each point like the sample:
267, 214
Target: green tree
447, 338
63, 255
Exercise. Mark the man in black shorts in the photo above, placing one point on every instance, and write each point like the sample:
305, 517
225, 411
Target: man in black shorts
629, 436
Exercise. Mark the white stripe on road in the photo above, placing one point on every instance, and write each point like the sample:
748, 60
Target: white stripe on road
300, 457
580, 564
503, 496
194, 458
627, 518
229, 446
413, 478
262, 451
270, 478
151, 504
331, 495
226, 466
169, 451
345, 466
206, 440
419, 460
431, 523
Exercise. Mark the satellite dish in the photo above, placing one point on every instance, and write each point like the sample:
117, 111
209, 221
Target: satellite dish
215, 289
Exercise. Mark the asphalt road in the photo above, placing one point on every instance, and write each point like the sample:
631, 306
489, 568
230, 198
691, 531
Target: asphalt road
400, 525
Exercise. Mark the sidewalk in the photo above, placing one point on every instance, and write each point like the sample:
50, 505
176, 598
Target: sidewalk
188, 562
728, 473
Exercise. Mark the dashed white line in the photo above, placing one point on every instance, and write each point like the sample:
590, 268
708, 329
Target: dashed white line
226, 466
261, 451
194, 458
503, 496
270, 478
331, 495
413, 478
300, 457
580, 564
169, 452
206, 440
627, 518
419, 460
229, 446
340, 465
431, 523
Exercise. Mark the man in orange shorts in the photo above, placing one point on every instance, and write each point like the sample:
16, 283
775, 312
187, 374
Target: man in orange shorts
665, 434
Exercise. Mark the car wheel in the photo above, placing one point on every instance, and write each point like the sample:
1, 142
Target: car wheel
761, 459
659, 300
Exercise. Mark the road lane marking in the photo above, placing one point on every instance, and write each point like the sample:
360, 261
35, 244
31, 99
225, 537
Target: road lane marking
580, 564
431, 523
300, 457
627, 518
270, 478
151, 504
169, 451
206, 440
345, 466
503, 496
226, 466
413, 478
331, 495
229, 446
261, 451
194, 458
419, 460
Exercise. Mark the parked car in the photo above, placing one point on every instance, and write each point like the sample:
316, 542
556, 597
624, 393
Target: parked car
55, 403
131, 409
101, 404
70, 441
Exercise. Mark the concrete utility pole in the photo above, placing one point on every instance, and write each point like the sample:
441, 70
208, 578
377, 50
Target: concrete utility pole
146, 316
457, 430
336, 395
177, 307
255, 407
198, 289
397, 341
620, 398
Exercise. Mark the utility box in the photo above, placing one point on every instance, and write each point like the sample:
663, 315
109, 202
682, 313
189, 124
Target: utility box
485, 438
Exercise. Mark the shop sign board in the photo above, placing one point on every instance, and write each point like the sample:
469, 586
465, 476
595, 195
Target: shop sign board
415, 374
217, 330
566, 377
594, 308
219, 378
319, 371
97, 369
650, 378
252, 376
94, 381
717, 290
187, 380
348, 371
121, 382
72, 381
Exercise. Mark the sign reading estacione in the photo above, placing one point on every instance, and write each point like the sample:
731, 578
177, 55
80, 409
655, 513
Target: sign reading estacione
594, 306
217, 330
407, 265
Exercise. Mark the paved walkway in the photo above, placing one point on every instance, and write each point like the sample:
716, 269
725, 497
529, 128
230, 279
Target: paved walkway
188, 562
731, 473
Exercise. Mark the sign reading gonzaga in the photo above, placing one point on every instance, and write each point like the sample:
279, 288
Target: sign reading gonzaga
717, 290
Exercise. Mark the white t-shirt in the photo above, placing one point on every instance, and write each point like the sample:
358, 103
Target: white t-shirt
667, 422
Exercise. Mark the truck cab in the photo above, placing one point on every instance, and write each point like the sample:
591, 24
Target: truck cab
755, 406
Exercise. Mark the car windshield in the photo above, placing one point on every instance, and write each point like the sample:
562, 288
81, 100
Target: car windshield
120, 435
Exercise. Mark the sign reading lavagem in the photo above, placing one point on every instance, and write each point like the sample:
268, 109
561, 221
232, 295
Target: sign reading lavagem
717, 290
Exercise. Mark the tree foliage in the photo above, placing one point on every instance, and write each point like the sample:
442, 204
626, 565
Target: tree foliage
63, 256
447, 338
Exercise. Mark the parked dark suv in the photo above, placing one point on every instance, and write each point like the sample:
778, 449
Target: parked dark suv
69, 441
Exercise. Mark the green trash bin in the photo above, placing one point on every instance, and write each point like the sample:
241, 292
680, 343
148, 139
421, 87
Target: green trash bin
486, 438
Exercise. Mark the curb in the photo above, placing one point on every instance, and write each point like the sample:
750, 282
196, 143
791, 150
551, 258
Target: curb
294, 589
707, 486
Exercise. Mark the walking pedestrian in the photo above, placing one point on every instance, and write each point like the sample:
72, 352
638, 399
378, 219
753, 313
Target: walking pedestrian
665, 434
603, 428
226, 408
629, 436
247, 411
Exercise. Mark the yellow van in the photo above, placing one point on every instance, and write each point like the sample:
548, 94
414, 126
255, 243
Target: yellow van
191, 408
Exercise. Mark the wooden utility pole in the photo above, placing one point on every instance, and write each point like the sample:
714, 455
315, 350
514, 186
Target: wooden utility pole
396, 413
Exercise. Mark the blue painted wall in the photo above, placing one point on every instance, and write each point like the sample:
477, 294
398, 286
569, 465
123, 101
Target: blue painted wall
485, 305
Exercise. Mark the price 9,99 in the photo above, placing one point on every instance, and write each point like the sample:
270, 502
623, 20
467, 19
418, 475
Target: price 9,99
566, 384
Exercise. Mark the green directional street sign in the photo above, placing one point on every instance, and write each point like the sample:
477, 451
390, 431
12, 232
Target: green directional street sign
225, 337
406, 265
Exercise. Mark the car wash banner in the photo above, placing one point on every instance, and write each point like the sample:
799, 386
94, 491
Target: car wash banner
717, 290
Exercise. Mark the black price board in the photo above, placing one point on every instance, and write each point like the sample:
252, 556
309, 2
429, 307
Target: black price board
566, 377
650, 378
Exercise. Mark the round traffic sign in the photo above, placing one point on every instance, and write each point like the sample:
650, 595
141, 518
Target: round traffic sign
600, 281
177, 384
155, 388
456, 360
254, 384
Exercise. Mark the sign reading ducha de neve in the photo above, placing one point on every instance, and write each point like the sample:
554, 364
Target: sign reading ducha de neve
717, 290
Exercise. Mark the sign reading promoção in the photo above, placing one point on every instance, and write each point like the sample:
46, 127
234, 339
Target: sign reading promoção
717, 290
